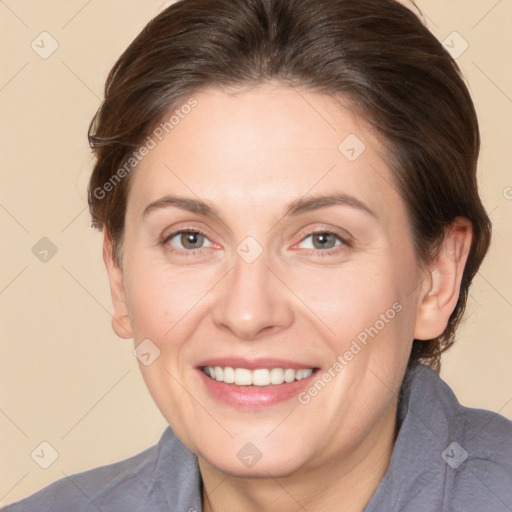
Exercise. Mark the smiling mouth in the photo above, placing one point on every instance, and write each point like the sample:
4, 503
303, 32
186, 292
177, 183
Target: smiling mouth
258, 377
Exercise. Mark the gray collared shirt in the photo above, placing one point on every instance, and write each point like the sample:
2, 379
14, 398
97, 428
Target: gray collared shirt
447, 458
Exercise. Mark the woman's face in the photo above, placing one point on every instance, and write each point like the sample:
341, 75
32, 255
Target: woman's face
261, 234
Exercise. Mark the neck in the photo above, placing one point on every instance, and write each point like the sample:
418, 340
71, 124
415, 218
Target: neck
344, 482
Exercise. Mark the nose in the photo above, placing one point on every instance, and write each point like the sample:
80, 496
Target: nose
252, 302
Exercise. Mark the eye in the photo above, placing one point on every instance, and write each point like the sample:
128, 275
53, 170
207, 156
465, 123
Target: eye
187, 239
322, 240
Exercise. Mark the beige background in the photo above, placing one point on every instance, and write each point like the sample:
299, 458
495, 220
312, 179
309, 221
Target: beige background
65, 377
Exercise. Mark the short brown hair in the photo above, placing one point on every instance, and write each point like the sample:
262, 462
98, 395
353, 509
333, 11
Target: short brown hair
375, 52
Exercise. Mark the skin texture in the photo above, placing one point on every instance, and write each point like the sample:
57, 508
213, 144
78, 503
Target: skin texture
249, 155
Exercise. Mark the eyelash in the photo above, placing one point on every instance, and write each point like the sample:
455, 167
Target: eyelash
321, 253
188, 252
315, 252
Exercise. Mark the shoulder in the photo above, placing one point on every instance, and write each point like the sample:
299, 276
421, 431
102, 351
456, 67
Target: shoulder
482, 435
487, 434
163, 477
432, 401
475, 447
123, 485
482, 460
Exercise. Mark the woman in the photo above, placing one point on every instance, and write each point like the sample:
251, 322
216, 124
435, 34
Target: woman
287, 191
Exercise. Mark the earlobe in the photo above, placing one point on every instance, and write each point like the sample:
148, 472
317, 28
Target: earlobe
120, 319
440, 290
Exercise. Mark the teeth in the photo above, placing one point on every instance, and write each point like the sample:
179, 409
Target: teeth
289, 375
229, 375
259, 377
276, 376
243, 377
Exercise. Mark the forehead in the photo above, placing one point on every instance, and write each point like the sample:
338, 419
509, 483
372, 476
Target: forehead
264, 147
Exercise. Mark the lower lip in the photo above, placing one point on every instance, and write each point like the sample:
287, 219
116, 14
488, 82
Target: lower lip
254, 397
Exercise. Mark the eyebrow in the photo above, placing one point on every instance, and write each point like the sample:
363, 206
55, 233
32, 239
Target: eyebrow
184, 203
307, 204
297, 207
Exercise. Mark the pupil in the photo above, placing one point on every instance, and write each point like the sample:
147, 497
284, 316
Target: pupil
191, 240
324, 240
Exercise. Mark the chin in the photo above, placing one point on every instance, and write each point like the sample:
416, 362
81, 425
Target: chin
255, 464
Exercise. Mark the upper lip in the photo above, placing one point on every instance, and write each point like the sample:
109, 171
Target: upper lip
254, 364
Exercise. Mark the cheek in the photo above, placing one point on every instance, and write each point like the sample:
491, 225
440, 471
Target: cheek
365, 313
349, 300
164, 307
161, 300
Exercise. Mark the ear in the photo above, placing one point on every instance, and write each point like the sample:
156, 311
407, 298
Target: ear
440, 290
120, 319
